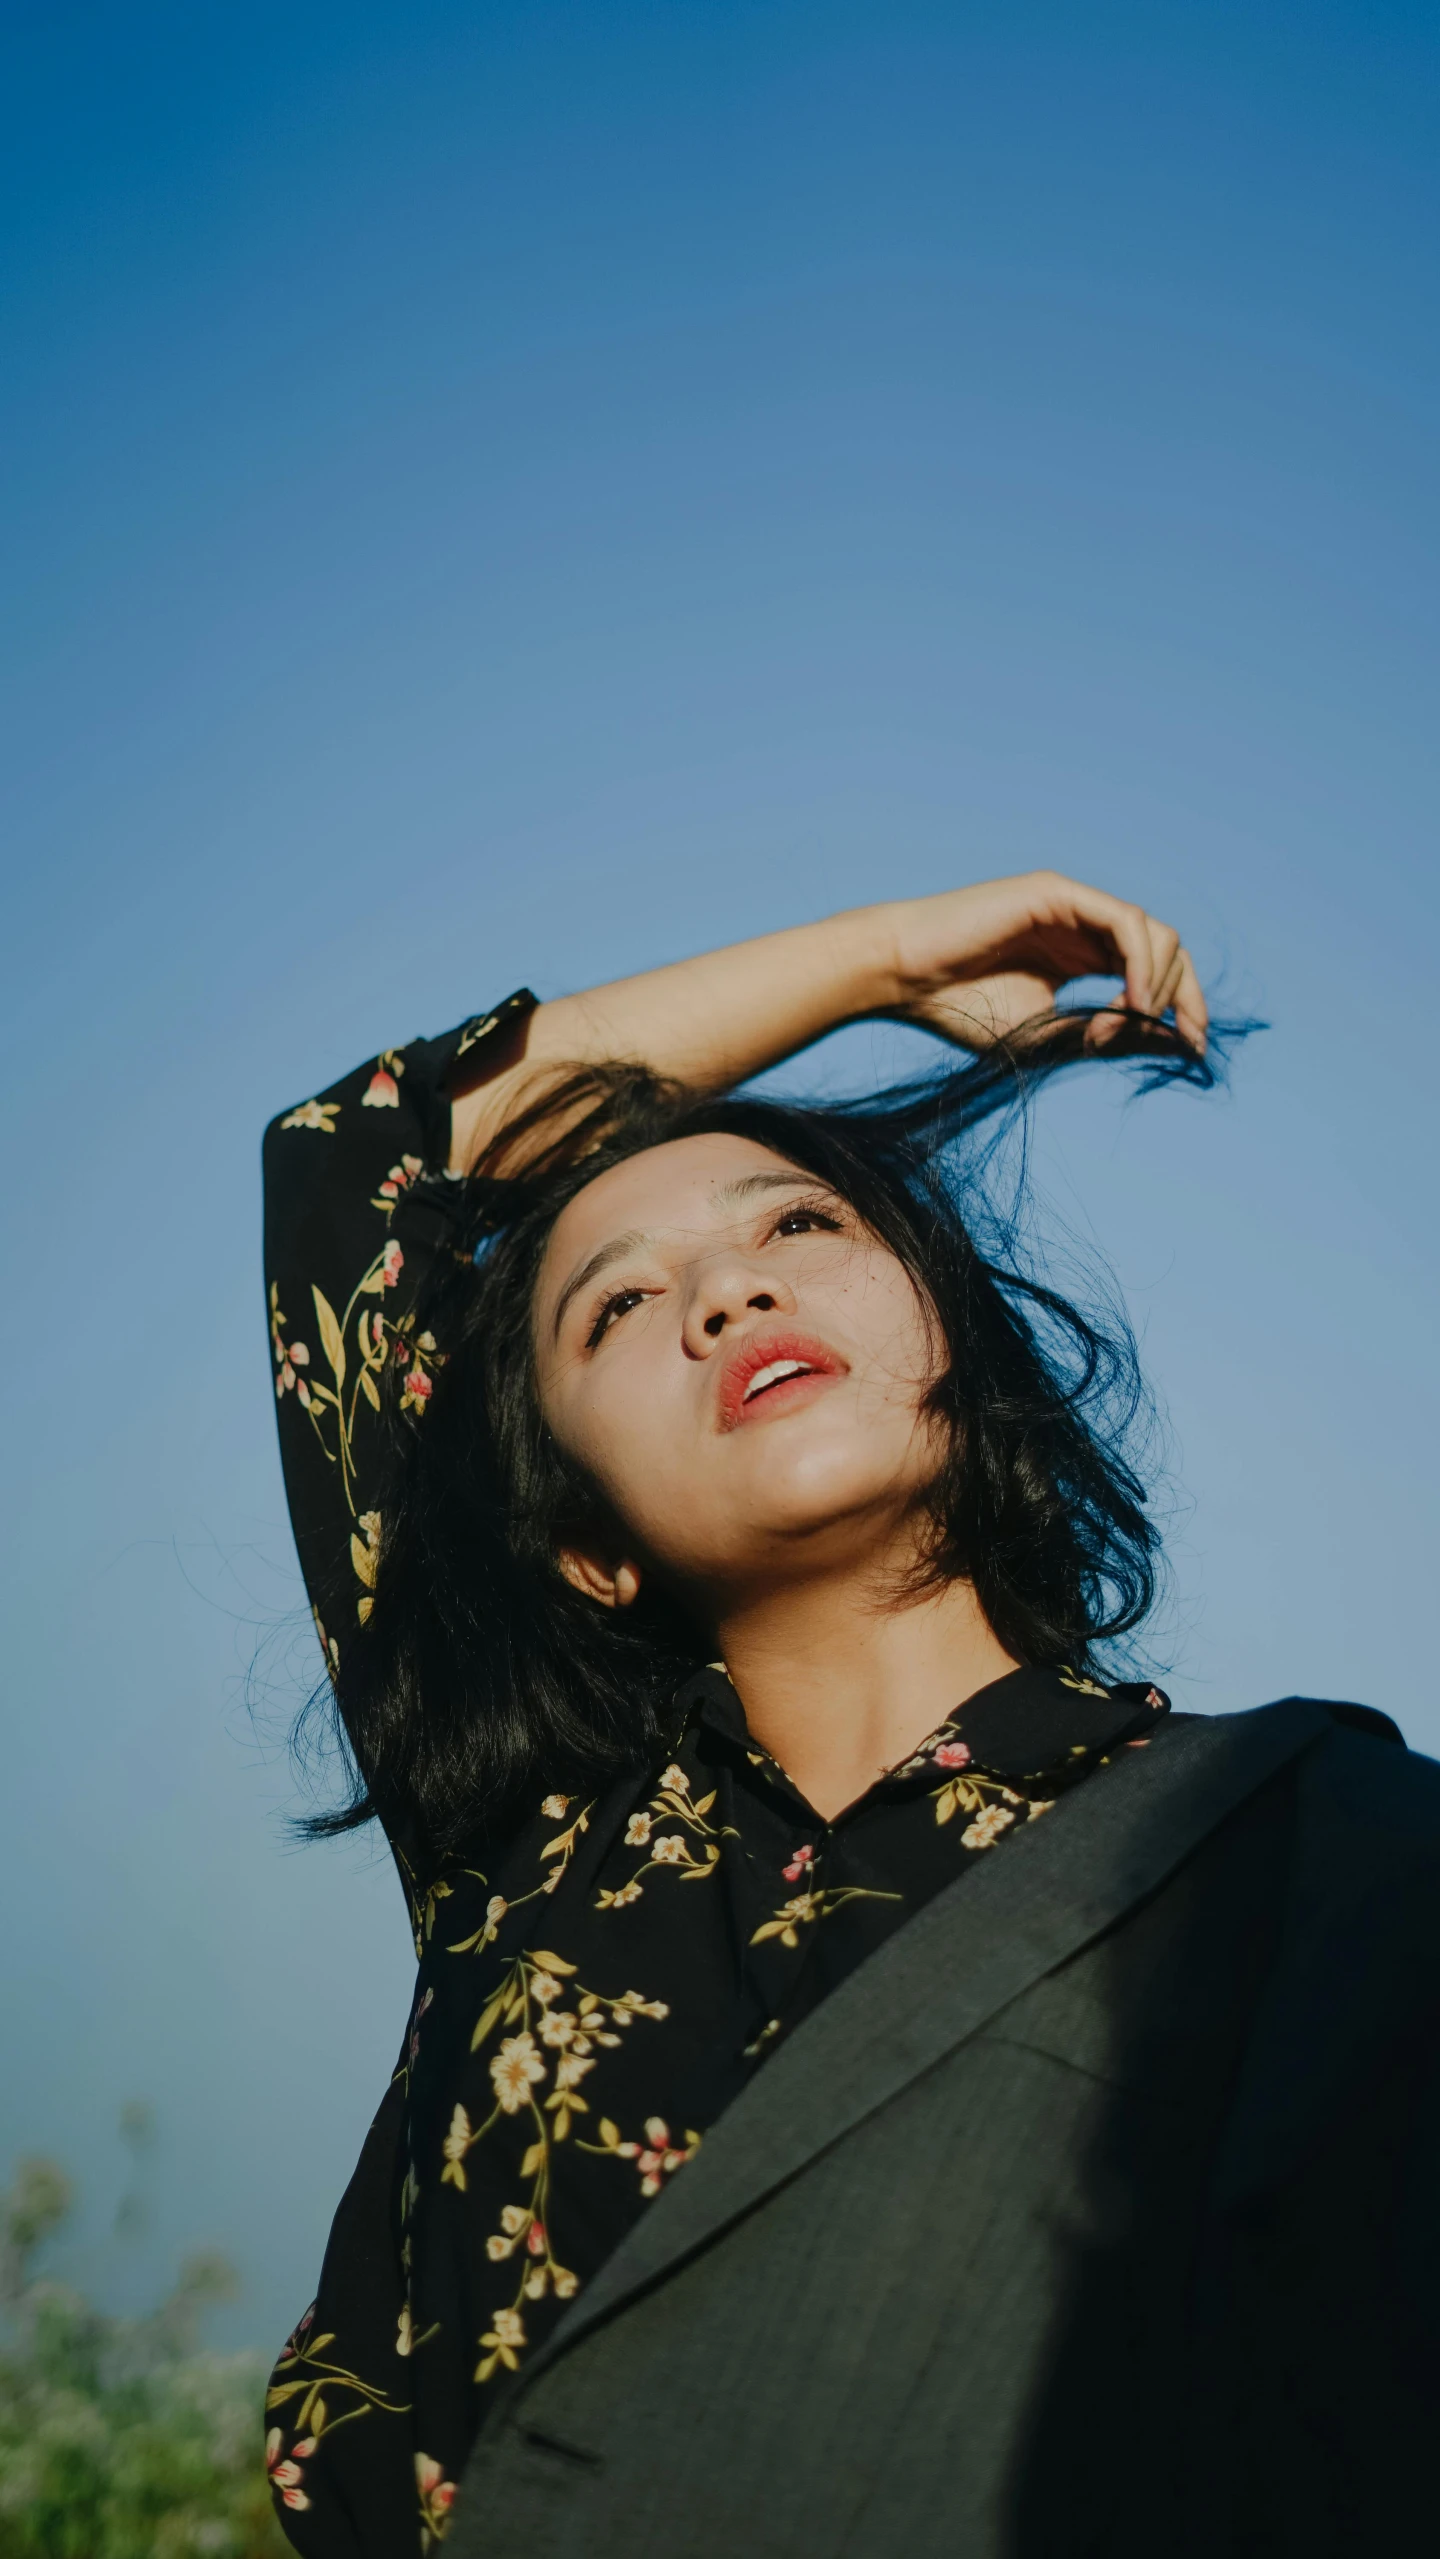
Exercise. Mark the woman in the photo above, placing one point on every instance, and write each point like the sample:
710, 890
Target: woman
713, 1546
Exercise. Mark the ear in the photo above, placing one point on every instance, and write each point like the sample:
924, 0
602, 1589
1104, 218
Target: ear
613, 1585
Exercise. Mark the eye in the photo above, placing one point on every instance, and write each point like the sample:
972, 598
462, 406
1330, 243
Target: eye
619, 1304
807, 1219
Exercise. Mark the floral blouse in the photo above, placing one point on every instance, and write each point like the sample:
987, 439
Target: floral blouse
596, 1987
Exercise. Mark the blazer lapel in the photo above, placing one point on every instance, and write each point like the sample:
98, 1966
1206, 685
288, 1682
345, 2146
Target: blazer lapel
971, 1951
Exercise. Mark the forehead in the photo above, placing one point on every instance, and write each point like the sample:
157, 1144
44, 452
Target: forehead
689, 1182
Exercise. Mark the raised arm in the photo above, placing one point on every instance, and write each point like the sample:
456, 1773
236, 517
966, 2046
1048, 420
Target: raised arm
358, 1206
970, 965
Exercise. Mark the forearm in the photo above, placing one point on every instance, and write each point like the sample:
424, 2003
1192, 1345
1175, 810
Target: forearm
710, 1022
974, 965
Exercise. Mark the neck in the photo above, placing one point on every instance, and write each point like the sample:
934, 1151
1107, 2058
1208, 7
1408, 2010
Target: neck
838, 1685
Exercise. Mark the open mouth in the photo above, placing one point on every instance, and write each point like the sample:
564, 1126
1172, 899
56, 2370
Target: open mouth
768, 1375
775, 1375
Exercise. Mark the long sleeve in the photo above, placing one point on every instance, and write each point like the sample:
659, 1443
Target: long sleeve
357, 1208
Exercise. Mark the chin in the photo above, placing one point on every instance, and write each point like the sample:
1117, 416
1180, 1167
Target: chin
810, 1494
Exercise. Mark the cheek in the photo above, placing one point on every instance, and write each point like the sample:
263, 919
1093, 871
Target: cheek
882, 1318
615, 1417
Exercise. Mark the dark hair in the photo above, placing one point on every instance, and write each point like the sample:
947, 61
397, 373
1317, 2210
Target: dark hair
481, 1670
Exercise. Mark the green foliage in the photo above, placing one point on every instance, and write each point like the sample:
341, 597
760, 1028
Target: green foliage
121, 2438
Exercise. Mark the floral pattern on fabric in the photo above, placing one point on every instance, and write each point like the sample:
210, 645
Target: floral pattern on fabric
583, 2015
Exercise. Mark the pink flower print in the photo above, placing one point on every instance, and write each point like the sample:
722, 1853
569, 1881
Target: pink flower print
291, 1358
286, 2477
391, 1266
382, 1093
951, 1754
536, 2241
421, 1387
657, 2156
802, 1858
437, 2496
415, 2028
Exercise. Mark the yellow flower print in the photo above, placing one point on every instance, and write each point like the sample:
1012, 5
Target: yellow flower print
560, 2026
299, 2382
515, 2221
630, 2004
365, 1558
334, 1409
457, 2142
987, 1827
570, 2069
537, 2002
790, 1915
515, 2070
328, 1645
318, 1115
804, 1908
406, 2341
1083, 1687
486, 1934
474, 1032
504, 2337
671, 1802
973, 1794
562, 1847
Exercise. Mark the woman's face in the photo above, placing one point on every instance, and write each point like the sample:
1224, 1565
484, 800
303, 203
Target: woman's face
738, 1365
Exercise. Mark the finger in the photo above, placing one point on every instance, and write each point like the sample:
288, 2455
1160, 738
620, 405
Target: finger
1126, 928
1192, 1013
1121, 936
1164, 943
1107, 1026
1166, 986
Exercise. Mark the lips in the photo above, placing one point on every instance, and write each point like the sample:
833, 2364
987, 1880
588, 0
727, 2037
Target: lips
769, 1370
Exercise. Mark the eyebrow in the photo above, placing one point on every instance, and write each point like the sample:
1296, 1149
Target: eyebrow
753, 1182
637, 1238
614, 1251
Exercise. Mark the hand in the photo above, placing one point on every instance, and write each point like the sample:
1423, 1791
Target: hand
973, 964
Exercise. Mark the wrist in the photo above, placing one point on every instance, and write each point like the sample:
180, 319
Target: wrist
867, 958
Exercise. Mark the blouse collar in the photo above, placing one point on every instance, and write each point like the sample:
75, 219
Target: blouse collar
1030, 1723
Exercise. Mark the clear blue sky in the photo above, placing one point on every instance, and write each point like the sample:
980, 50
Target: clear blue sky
523, 492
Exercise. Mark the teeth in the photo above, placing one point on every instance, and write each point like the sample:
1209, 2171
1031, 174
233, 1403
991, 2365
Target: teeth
770, 1376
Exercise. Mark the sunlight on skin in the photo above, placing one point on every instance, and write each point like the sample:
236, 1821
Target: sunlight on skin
970, 964
787, 1517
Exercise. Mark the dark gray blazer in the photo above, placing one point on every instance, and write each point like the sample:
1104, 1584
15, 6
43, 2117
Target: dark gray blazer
1097, 2214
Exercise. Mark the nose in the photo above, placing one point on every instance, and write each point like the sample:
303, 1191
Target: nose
724, 1289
